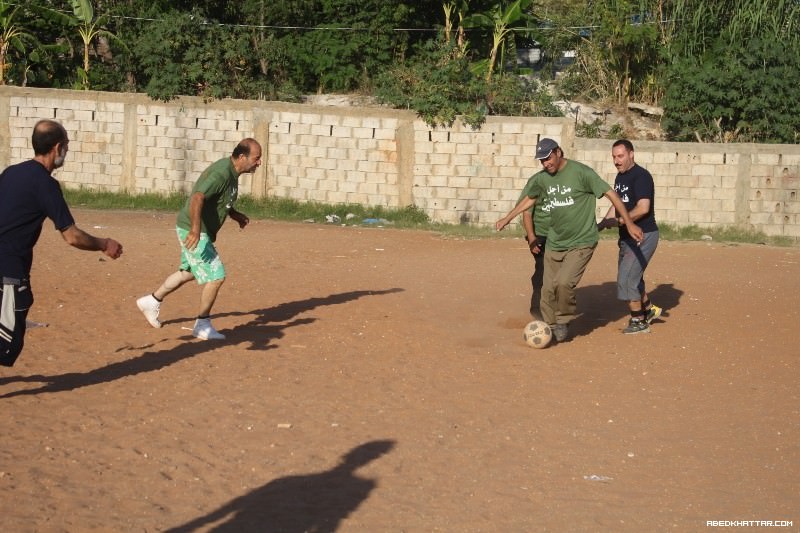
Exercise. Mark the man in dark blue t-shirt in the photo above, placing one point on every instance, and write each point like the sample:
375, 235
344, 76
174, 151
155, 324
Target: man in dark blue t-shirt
28, 195
635, 187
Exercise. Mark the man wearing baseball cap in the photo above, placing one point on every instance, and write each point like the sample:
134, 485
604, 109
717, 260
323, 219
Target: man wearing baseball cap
572, 190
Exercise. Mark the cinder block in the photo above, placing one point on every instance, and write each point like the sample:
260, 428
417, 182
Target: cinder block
760, 158
712, 158
217, 135
310, 118
699, 217
444, 148
788, 231
687, 182
709, 181
316, 152
461, 160
720, 193
368, 188
367, 145
371, 122
384, 134
478, 183
723, 217
336, 197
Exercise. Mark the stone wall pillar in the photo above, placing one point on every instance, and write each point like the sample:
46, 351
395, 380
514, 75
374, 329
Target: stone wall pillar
742, 198
5, 132
405, 163
261, 177
129, 146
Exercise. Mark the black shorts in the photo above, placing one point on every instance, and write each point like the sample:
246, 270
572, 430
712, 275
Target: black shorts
16, 299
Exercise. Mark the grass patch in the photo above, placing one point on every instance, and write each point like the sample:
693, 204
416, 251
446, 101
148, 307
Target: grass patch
671, 232
724, 234
112, 200
267, 208
410, 217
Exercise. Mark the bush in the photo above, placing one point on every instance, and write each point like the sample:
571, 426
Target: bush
743, 93
439, 84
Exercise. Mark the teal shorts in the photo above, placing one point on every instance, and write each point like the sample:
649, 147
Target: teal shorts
203, 262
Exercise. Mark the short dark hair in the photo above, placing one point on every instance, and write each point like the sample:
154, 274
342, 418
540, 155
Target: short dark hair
623, 142
244, 147
46, 135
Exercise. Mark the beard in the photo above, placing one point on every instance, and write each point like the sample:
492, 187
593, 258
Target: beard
58, 162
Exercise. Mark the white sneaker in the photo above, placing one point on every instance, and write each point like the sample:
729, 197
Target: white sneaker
150, 307
204, 330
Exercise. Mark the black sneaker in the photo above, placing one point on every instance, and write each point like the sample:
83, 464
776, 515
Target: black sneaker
636, 326
653, 313
560, 332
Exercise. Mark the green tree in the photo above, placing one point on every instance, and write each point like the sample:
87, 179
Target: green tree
702, 23
438, 84
618, 51
733, 71
743, 93
13, 37
502, 19
628, 42
88, 27
353, 41
185, 54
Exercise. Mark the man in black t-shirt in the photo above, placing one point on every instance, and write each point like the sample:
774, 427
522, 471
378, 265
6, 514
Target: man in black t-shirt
635, 187
28, 195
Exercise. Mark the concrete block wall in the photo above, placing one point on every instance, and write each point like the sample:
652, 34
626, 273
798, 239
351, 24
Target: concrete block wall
467, 176
174, 144
752, 186
377, 156
95, 153
334, 158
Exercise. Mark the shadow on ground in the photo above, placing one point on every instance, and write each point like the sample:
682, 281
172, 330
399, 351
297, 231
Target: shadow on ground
599, 305
261, 332
298, 504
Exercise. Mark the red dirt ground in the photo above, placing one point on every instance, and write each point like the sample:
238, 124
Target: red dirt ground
376, 380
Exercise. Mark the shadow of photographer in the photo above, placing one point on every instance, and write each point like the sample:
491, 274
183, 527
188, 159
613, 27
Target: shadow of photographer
297, 504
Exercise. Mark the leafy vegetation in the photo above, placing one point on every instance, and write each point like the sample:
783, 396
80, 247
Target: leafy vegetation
736, 95
721, 70
735, 73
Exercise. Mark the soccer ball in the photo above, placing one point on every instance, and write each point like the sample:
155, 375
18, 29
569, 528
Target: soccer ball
537, 334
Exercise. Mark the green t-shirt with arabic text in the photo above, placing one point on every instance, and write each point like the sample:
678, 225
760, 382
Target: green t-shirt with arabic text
572, 197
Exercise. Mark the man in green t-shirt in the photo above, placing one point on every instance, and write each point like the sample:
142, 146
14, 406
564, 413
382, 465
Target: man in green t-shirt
199, 221
572, 190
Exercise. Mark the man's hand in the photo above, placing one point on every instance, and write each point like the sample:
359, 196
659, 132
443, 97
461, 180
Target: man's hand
191, 240
607, 223
240, 218
502, 223
534, 245
635, 232
112, 249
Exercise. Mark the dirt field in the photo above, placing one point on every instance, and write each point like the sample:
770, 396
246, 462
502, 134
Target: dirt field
376, 380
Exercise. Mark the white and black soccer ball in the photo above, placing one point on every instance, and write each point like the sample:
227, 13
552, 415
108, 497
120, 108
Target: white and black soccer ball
537, 334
